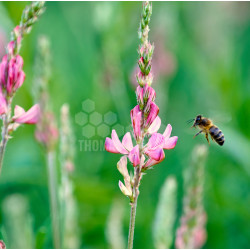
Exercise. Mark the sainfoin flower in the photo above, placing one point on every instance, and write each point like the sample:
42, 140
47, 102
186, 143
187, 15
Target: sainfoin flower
149, 146
29, 117
12, 75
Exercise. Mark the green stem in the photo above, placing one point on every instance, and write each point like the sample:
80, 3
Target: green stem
53, 198
4, 141
132, 224
5, 132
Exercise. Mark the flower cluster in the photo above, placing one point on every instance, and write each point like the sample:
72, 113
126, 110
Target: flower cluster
11, 71
192, 232
150, 145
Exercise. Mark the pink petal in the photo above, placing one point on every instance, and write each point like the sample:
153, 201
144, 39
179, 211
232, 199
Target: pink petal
3, 67
136, 121
170, 142
29, 117
127, 141
122, 166
134, 156
117, 143
155, 141
153, 112
109, 146
20, 80
151, 163
157, 154
18, 111
124, 189
167, 131
139, 95
3, 104
155, 125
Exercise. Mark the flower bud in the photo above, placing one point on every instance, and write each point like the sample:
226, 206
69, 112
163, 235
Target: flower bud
139, 95
29, 117
125, 190
3, 104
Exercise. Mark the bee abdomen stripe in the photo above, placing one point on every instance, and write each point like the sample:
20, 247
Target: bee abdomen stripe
221, 138
214, 131
218, 135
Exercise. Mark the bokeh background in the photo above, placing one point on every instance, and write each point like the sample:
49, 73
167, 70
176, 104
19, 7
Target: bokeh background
201, 66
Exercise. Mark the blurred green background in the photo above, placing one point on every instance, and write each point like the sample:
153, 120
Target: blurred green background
201, 65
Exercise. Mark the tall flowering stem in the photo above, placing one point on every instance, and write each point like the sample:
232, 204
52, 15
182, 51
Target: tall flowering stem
12, 77
192, 231
46, 130
148, 150
71, 233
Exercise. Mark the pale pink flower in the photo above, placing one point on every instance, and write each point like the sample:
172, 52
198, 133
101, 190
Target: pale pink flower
29, 117
114, 145
158, 142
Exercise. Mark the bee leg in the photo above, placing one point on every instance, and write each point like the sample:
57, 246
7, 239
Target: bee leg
198, 133
207, 138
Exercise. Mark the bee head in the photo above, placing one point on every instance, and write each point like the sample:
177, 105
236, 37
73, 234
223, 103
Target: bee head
197, 120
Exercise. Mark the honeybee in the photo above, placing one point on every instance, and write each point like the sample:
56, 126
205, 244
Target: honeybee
208, 127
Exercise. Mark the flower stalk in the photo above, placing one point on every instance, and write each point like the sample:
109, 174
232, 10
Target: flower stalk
192, 233
148, 150
53, 198
47, 132
12, 77
70, 230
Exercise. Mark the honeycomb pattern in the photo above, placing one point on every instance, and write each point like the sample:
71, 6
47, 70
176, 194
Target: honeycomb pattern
81, 118
110, 118
88, 131
95, 118
95, 124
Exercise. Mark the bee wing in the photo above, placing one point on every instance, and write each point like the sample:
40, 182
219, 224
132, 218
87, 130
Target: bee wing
219, 117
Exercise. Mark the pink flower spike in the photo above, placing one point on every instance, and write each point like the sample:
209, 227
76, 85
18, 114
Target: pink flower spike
127, 141
109, 146
134, 156
170, 142
155, 125
29, 117
153, 113
117, 143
